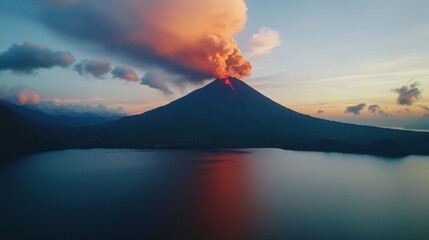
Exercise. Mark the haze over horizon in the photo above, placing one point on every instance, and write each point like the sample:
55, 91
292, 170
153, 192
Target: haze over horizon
359, 62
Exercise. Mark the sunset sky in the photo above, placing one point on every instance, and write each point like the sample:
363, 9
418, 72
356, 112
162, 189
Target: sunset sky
357, 61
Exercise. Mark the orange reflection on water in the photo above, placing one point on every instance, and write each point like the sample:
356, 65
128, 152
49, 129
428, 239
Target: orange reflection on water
222, 208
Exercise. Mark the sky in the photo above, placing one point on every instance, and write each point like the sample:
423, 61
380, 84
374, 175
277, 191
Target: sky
361, 61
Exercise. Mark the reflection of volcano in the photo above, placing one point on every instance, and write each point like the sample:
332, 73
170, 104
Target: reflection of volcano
234, 115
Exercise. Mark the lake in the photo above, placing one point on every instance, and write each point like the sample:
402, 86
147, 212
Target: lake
213, 194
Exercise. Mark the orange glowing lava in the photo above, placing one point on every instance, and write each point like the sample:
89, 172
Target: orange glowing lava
226, 81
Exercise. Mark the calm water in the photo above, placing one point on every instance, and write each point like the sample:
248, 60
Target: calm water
243, 194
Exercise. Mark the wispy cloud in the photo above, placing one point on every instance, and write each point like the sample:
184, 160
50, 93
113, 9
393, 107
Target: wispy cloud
426, 108
155, 80
264, 41
27, 58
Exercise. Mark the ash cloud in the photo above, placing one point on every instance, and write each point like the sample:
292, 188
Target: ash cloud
27, 58
125, 73
187, 37
408, 94
155, 80
376, 109
95, 67
264, 41
355, 109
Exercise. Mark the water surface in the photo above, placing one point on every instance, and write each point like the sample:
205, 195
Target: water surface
215, 194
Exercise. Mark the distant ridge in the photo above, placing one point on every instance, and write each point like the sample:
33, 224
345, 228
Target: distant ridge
41, 119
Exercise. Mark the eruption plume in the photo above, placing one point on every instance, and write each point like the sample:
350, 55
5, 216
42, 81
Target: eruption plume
193, 38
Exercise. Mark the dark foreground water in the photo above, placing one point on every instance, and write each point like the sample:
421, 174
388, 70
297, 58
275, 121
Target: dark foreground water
243, 194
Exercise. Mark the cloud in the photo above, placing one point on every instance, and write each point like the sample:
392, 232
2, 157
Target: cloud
154, 80
426, 108
30, 98
27, 58
375, 109
124, 73
320, 111
408, 94
57, 108
186, 37
355, 109
264, 41
95, 67
20, 96
60, 2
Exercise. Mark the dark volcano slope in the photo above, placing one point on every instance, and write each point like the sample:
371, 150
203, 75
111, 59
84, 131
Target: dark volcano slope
217, 116
17, 137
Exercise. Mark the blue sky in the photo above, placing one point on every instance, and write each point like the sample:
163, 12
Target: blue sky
333, 54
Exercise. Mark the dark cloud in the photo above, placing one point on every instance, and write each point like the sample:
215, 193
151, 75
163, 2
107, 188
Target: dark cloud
375, 109
320, 111
154, 80
355, 109
408, 94
124, 73
27, 58
95, 67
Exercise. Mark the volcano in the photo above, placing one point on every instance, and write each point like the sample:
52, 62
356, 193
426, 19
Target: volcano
228, 113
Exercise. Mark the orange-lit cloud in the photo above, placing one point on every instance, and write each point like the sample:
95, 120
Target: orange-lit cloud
192, 38
125, 73
28, 97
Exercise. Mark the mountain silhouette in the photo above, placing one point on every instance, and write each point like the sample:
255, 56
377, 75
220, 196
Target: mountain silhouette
17, 137
228, 113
